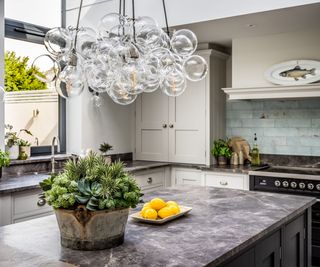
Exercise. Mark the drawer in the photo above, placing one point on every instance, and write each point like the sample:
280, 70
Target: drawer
233, 181
26, 204
151, 179
188, 177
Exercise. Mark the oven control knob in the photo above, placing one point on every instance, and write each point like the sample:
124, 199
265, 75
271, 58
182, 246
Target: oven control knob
302, 185
293, 185
277, 183
318, 187
310, 186
285, 184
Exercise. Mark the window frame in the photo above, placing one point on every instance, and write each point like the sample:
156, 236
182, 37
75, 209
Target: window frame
33, 33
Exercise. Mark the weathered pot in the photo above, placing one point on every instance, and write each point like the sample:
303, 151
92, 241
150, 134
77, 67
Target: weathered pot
24, 152
82, 229
222, 160
13, 151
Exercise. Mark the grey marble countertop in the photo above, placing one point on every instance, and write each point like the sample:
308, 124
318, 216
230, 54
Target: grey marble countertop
31, 180
222, 223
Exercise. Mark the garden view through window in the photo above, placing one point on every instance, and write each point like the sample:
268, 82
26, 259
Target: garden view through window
31, 106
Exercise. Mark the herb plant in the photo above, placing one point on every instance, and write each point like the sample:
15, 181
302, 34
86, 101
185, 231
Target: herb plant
105, 147
4, 159
10, 136
90, 181
221, 148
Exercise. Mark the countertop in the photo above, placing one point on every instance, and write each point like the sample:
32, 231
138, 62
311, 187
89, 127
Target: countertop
222, 223
31, 180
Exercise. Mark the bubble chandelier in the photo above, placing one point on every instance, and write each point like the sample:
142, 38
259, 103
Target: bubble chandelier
125, 57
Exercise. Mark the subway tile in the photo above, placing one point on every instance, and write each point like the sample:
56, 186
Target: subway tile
234, 123
315, 123
280, 104
247, 132
280, 123
272, 141
309, 103
247, 105
293, 150
315, 132
234, 114
259, 123
281, 132
315, 151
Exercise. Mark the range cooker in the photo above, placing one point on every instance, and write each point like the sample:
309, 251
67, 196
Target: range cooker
292, 180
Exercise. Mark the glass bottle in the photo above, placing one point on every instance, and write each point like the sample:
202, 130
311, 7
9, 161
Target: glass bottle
255, 155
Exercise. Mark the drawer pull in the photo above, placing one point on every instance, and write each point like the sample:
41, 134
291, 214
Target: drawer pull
41, 202
224, 183
149, 180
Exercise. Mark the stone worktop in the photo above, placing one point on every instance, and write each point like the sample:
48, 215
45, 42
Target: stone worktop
223, 222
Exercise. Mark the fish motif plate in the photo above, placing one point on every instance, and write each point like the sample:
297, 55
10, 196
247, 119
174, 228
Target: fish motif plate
183, 210
294, 72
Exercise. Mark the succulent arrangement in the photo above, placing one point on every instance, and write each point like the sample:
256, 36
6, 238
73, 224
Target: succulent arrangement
91, 182
221, 149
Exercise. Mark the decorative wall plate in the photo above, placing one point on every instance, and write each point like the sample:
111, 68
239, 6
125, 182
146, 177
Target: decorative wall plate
294, 72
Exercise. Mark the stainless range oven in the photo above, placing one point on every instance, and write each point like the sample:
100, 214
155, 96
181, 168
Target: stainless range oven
291, 180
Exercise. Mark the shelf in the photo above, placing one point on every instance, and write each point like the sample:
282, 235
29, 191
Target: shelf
273, 92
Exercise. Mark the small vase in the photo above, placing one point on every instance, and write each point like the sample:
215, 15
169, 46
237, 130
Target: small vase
13, 151
24, 152
222, 160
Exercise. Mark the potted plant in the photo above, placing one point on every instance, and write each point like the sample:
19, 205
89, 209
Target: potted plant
24, 149
91, 200
104, 148
221, 151
4, 161
11, 139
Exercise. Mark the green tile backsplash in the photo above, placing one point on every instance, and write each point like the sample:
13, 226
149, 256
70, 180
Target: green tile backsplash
289, 127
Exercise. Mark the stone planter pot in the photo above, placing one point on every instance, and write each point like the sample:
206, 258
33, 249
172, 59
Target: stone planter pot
13, 151
222, 160
82, 229
24, 152
108, 159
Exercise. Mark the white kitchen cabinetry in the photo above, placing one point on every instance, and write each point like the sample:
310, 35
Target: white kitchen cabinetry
22, 206
153, 179
187, 176
180, 129
227, 180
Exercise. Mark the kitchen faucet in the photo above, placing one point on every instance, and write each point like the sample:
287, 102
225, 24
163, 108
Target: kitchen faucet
54, 140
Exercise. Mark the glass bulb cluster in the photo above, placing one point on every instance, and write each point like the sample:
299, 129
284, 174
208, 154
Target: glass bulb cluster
124, 58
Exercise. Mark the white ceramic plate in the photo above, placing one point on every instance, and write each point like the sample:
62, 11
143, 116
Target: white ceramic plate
278, 74
183, 210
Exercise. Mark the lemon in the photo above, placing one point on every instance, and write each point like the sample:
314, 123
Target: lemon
150, 214
143, 210
165, 212
147, 204
174, 209
172, 203
157, 203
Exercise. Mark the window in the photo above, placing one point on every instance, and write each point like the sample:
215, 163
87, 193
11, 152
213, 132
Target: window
29, 103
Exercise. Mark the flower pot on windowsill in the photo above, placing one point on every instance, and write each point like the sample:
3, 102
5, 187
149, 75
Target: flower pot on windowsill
81, 229
222, 160
24, 152
13, 151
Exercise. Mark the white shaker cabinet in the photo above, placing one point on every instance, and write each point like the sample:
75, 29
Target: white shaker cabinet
227, 180
181, 129
186, 176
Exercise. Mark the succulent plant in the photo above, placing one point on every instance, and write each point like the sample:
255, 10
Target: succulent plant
105, 147
89, 194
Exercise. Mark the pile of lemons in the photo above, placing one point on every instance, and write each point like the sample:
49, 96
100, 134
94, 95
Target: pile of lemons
158, 208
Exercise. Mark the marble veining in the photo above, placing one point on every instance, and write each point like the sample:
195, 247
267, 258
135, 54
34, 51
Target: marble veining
222, 223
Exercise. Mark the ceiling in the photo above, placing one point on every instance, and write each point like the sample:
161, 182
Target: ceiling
222, 31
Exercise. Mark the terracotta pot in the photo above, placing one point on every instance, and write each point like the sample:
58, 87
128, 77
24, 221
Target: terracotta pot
82, 229
222, 160
13, 151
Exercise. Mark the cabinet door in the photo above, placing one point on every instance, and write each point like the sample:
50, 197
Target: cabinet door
152, 126
294, 244
244, 260
151, 180
227, 180
187, 176
187, 124
267, 251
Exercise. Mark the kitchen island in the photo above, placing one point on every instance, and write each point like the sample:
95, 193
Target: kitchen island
225, 228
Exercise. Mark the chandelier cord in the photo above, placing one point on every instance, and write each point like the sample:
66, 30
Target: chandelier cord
120, 6
133, 20
166, 17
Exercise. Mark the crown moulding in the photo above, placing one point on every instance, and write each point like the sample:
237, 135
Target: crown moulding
273, 92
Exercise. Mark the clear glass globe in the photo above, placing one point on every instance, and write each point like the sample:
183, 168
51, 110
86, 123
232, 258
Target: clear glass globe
120, 96
141, 22
151, 79
184, 43
99, 77
133, 77
46, 68
174, 82
195, 68
58, 41
151, 35
70, 82
107, 22
86, 42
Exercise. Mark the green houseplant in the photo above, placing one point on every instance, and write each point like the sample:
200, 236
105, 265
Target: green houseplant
221, 151
11, 140
104, 148
91, 200
4, 161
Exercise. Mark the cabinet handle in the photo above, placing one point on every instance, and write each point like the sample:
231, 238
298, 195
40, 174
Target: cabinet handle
164, 125
223, 182
41, 202
149, 181
170, 125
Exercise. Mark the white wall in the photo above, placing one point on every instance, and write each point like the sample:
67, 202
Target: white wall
190, 11
252, 56
1, 74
